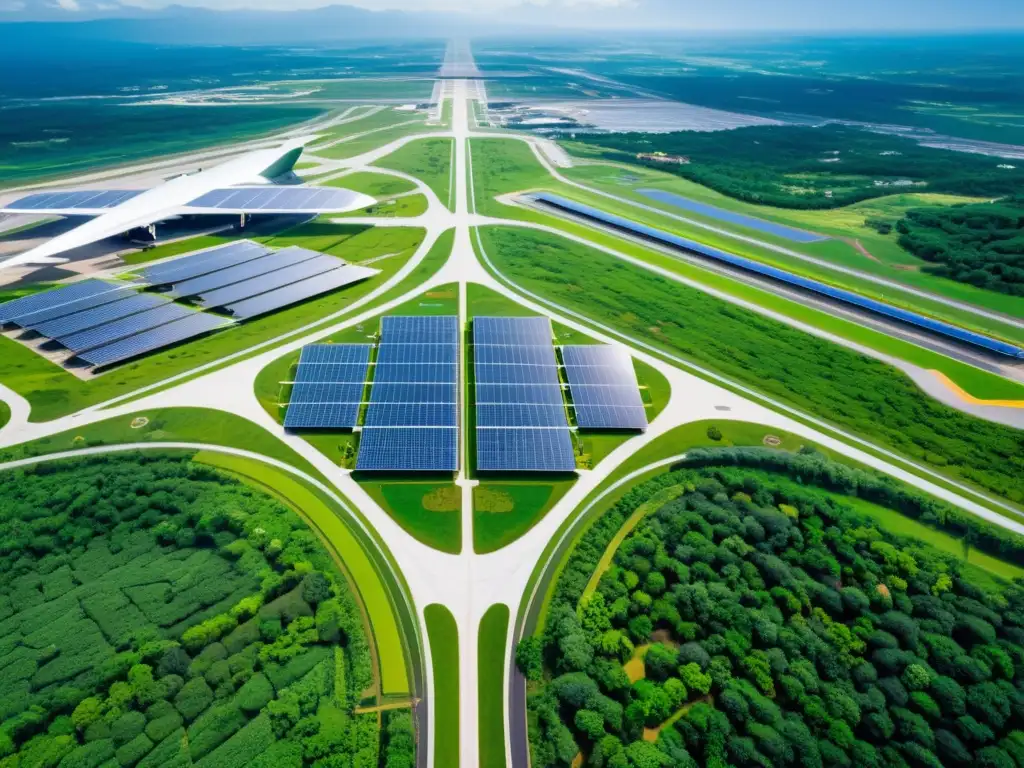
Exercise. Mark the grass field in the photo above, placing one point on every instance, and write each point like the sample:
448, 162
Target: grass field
502, 166
431, 512
318, 511
5, 413
368, 120
403, 206
54, 392
429, 160
491, 678
377, 185
504, 510
444, 657
357, 144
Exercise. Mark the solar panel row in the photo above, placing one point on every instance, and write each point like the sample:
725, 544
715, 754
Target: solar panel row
203, 262
125, 327
603, 386
299, 291
27, 305
34, 319
234, 274
412, 420
520, 412
244, 289
87, 198
196, 324
328, 388
749, 265
276, 199
90, 318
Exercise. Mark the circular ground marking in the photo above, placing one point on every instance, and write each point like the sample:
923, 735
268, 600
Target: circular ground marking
139, 422
772, 440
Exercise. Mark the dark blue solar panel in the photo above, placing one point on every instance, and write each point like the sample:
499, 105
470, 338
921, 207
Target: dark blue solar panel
533, 355
425, 373
321, 415
714, 212
384, 392
417, 354
611, 416
411, 415
606, 355
239, 272
39, 317
262, 284
508, 415
516, 374
419, 329
335, 353
524, 450
326, 372
195, 324
106, 313
53, 298
128, 326
409, 449
87, 199
516, 331
606, 395
853, 299
322, 392
203, 262
548, 394
603, 386
299, 291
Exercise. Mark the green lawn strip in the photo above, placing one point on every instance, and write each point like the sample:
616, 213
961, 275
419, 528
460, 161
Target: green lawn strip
430, 512
362, 144
374, 184
501, 167
429, 160
444, 657
504, 510
851, 390
187, 245
491, 682
316, 509
167, 425
53, 391
5, 413
367, 121
396, 207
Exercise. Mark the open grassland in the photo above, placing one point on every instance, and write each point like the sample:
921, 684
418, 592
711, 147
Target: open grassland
368, 120
53, 392
443, 634
357, 143
431, 512
851, 391
429, 160
402, 206
491, 678
379, 185
502, 166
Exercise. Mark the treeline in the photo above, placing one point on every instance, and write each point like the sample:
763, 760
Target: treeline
754, 621
156, 612
981, 244
850, 390
794, 166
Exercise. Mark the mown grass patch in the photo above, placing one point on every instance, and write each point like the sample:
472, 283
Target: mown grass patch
430, 512
491, 682
443, 634
502, 512
374, 184
429, 160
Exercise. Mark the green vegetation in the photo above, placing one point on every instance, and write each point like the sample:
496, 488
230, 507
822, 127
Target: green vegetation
774, 619
504, 510
359, 144
5, 414
794, 167
850, 390
429, 160
179, 617
443, 634
430, 512
501, 166
402, 206
491, 676
54, 392
377, 185
981, 244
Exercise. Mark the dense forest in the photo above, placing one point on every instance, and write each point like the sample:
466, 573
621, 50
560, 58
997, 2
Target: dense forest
753, 620
794, 166
157, 612
981, 244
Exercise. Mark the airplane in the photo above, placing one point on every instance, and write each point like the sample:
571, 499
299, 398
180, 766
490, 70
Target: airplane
245, 185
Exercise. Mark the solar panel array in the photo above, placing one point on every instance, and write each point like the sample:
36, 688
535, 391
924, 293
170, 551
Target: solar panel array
88, 199
328, 387
749, 265
301, 290
203, 262
273, 199
131, 304
603, 386
195, 324
412, 420
25, 307
269, 262
520, 414
125, 327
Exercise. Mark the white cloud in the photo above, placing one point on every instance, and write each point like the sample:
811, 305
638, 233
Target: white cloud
69, 5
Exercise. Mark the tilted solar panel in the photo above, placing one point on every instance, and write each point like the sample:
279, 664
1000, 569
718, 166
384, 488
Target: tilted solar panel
39, 317
512, 331
520, 415
411, 415
105, 313
611, 416
419, 329
125, 327
196, 324
321, 415
326, 392
425, 373
385, 392
408, 449
602, 394
299, 291
203, 262
541, 394
516, 374
749, 265
85, 199
255, 286
515, 355
238, 272
505, 449
54, 297
332, 373
603, 386
417, 354
277, 199
335, 353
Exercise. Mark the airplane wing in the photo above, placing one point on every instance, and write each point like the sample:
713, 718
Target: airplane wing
274, 199
86, 202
